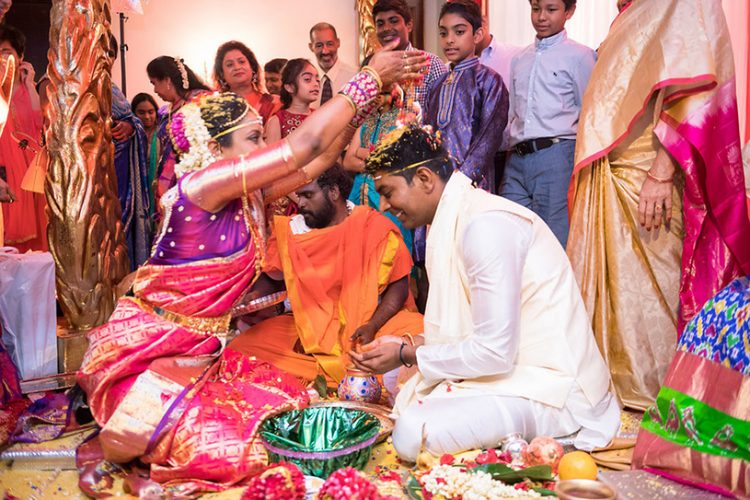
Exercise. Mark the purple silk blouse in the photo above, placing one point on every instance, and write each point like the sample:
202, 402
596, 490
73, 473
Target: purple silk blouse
191, 234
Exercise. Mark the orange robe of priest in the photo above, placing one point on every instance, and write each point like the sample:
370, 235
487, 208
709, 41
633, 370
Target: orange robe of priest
334, 278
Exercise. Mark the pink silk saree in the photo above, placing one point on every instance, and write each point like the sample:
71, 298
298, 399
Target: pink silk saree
157, 380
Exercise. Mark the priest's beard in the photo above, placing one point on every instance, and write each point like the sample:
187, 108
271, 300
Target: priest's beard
322, 217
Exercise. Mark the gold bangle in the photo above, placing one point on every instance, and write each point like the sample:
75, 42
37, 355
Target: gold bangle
306, 175
660, 180
375, 75
351, 102
244, 181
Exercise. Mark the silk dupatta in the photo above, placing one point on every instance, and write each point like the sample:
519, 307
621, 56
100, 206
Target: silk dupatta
685, 49
140, 336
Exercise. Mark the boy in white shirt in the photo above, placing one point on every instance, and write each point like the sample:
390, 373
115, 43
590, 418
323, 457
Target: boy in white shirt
548, 79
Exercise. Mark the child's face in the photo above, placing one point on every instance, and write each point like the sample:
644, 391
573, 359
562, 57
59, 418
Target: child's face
389, 25
273, 82
549, 16
308, 85
457, 39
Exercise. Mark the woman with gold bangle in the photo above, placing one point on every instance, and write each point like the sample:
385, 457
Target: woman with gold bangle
156, 378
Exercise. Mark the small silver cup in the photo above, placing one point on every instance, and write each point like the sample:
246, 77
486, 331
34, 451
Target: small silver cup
515, 445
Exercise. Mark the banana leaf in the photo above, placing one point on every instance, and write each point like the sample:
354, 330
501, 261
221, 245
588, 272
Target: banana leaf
413, 488
501, 472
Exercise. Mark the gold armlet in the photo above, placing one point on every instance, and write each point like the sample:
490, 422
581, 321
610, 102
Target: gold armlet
265, 166
240, 173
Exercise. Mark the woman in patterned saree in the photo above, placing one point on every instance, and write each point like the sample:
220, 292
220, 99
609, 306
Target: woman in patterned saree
25, 220
156, 378
236, 69
699, 429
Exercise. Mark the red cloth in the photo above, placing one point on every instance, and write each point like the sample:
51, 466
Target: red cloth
25, 220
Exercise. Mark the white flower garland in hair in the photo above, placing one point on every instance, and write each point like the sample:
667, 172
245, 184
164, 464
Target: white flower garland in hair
183, 73
192, 128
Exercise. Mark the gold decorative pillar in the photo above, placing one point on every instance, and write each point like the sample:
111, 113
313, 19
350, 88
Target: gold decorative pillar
368, 41
85, 232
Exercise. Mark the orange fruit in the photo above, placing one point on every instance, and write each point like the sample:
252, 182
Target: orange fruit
577, 465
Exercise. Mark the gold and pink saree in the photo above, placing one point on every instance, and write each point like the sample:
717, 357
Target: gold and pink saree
664, 78
157, 380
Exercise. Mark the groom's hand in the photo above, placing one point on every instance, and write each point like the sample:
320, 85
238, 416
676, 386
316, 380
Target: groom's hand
382, 355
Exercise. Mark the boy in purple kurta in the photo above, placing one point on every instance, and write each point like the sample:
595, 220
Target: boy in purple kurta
469, 105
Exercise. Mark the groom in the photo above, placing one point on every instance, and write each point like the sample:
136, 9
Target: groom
507, 345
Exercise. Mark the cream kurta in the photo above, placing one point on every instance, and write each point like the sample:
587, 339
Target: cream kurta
542, 358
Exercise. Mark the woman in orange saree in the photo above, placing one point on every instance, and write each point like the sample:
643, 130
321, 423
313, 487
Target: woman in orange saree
650, 242
155, 375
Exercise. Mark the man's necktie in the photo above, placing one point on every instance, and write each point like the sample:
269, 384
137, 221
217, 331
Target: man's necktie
327, 91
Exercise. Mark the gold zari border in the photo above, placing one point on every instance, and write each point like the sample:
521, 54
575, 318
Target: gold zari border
216, 325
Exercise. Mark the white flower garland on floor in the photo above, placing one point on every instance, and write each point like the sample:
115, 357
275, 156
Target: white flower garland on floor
451, 482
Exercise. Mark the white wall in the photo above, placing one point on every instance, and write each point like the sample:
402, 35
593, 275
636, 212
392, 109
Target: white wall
193, 30
279, 28
510, 22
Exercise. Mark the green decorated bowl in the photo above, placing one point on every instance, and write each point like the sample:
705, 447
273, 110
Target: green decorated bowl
321, 440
